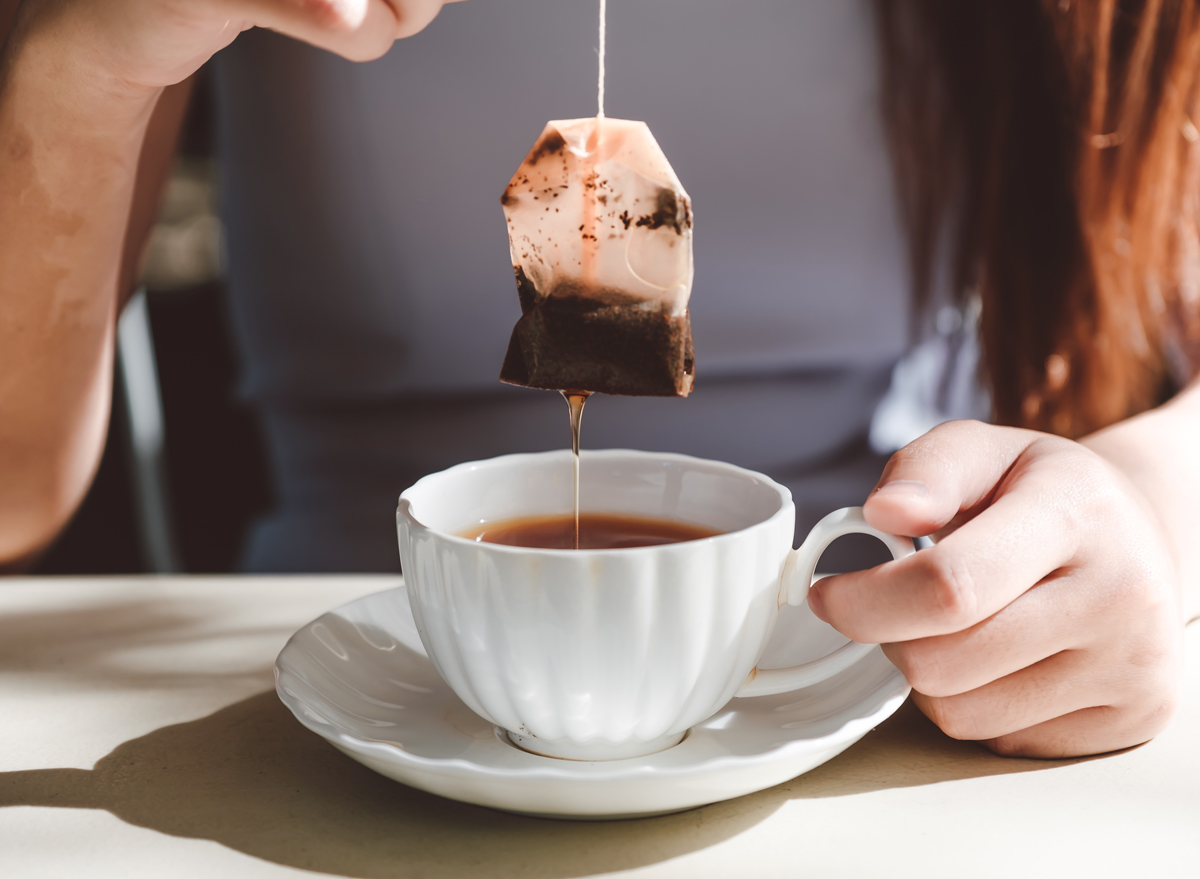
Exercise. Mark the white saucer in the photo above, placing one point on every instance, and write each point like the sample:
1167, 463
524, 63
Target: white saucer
359, 677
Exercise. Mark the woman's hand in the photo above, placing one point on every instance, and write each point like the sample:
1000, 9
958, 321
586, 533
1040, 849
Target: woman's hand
148, 44
1046, 620
91, 97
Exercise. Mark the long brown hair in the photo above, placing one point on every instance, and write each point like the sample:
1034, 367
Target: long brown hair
1051, 148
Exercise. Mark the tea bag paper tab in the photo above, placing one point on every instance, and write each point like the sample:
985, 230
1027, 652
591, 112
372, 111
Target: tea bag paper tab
600, 231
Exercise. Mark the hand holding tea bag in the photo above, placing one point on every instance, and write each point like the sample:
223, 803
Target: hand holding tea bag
600, 232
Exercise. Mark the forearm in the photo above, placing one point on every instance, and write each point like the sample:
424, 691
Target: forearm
69, 142
1160, 452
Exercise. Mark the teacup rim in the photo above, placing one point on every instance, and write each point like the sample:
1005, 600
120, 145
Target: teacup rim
404, 505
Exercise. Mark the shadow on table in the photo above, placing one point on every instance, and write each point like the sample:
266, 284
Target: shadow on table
90, 642
906, 750
251, 778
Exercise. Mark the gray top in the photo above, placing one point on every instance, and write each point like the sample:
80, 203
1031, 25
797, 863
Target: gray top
370, 282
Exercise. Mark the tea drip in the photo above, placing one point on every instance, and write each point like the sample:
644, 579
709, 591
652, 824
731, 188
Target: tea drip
575, 401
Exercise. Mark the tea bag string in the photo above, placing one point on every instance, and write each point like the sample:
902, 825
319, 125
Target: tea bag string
603, 35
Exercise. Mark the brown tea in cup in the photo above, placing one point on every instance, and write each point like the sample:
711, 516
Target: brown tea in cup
596, 531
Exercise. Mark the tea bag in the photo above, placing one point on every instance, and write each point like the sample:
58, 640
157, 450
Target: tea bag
600, 232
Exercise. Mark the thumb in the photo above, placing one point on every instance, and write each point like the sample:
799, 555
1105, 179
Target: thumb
360, 30
955, 468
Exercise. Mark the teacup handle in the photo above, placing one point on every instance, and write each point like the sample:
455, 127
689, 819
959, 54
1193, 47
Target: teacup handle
798, 572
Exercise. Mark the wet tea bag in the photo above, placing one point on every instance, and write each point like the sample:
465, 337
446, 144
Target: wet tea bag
600, 231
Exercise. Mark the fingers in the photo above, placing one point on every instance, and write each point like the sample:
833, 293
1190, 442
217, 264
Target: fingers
1095, 730
1036, 626
1128, 617
360, 30
954, 467
1058, 685
1043, 622
1114, 688
1025, 534
968, 577
413, 16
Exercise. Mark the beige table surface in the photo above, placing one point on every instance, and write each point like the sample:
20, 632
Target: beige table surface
140, 736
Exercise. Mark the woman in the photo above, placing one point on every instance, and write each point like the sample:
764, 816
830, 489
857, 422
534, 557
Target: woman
1045, 146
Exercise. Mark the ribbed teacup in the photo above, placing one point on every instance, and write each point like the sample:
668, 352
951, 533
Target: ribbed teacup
615, 653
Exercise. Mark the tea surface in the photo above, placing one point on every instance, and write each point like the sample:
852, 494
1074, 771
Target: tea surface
596, 531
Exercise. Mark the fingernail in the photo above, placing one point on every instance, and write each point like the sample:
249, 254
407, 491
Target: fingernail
904, 488
816, 604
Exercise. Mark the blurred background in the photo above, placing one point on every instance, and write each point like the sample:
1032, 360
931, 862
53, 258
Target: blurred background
214, 474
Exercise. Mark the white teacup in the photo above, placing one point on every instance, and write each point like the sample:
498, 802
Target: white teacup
615, 653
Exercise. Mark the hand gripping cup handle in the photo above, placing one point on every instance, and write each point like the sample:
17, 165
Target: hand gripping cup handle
798, 573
